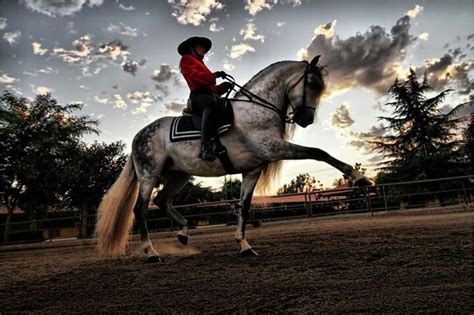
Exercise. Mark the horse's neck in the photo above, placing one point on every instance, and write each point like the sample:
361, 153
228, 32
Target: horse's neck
269, 84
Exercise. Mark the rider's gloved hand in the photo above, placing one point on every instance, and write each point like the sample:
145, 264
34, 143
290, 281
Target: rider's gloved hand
220, 74
227, 86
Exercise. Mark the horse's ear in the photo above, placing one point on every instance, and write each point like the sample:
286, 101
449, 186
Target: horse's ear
315, 61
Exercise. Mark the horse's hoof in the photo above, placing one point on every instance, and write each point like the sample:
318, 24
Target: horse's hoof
363, 182
183, 239
248, 252
153, 260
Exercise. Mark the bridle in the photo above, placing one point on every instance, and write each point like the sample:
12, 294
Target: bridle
254, 98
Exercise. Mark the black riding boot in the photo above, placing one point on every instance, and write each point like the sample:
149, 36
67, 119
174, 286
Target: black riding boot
207, 135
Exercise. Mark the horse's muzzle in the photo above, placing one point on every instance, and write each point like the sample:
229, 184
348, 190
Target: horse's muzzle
304, 117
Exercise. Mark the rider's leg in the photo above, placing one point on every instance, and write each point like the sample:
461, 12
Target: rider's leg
209, 104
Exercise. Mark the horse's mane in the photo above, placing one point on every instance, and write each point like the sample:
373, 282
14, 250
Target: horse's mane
263, 72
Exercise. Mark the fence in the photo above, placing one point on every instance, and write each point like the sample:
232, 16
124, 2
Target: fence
433, 194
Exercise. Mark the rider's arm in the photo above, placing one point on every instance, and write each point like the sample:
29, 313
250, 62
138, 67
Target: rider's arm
195, 72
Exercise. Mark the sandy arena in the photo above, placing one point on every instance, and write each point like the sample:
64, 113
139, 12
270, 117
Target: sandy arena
391, 263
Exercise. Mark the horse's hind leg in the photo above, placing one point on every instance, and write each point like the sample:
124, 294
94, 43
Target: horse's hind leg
249, 180
141, 213
148, 168
174, 182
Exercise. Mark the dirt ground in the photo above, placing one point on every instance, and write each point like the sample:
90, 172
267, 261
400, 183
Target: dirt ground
395, 263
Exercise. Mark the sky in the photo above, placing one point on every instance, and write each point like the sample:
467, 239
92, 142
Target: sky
119, 58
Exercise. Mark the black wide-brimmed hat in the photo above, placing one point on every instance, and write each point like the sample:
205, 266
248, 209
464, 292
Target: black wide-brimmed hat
185, 47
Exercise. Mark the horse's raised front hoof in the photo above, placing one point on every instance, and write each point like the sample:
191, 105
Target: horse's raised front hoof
183, 239
363, 182
248, 252
153, 260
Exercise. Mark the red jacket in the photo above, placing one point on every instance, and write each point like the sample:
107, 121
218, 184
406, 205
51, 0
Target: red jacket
198, 75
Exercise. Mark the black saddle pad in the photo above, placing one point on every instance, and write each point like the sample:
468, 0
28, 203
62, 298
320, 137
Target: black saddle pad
189, 127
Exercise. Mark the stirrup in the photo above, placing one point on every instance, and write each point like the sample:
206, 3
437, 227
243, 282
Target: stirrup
207, 152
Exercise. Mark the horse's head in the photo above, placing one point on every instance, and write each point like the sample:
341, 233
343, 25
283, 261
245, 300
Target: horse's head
303, 93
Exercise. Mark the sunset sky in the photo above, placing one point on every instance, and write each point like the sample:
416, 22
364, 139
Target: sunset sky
119, 58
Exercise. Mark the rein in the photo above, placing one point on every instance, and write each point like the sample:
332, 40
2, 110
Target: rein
254, 98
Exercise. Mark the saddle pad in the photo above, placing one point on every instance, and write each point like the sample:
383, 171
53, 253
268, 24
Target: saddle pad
183, 128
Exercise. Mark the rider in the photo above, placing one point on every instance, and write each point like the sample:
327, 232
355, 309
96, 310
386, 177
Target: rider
204, 91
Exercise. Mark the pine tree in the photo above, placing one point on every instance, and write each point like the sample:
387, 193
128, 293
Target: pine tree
421, 141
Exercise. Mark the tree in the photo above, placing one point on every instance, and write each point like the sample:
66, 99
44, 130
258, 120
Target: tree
345, 179
231, 189
87, 174
35, 137
421, 140
195, 193
467, 147
302, 183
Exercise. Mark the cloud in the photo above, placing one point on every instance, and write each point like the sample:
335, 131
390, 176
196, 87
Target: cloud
250, 33
371, 60
113, 49
214, 28
361, 140
42, 90
255, 6
342, 118
58, 8
6, 79
145, 96
174, 107
424, 36
145, 99
94, 58
123, 29
12, 37
165, 73
37, 50
130, 66
119, 102
165, 77
142, 109
129, 8
239, 50
415, 11
444, 72
82, 52
104, 100
71, 27
193, 12
228, 66
3, 24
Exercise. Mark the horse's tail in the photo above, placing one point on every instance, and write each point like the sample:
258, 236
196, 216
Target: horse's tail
115, 215
269, 173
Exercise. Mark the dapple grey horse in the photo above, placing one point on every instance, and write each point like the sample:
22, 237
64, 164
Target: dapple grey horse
256, 145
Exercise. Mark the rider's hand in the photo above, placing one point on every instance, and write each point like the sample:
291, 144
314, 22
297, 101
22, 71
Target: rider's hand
220, 74
227, 86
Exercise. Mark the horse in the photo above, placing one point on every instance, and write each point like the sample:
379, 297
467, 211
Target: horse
256, 143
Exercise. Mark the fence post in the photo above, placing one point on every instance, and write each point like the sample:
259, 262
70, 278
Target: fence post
464, 193
367, 201
307, 204
384, 199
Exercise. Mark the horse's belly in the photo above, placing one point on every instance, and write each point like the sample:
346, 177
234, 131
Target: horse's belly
185, 158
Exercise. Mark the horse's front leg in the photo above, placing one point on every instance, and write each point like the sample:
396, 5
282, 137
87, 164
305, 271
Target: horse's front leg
291, 151
249, 180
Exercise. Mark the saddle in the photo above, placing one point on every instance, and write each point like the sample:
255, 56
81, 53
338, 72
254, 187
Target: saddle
188, 127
